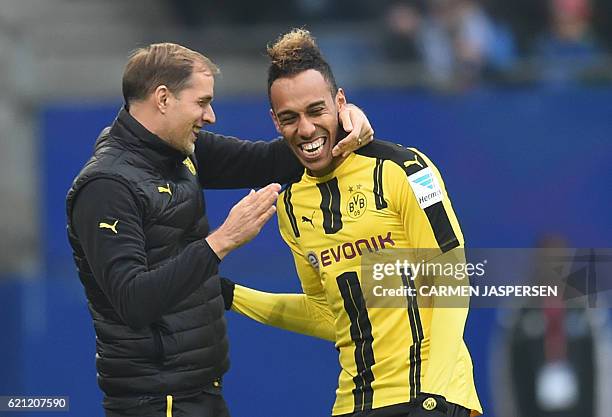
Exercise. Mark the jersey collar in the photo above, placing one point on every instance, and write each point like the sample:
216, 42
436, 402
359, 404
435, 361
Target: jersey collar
338, 171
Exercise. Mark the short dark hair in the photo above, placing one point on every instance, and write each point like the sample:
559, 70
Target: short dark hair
158, 64
295, 52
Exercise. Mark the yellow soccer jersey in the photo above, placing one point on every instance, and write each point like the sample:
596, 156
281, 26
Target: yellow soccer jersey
384, 196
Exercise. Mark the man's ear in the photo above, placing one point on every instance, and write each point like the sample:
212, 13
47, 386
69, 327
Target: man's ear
340, 99
275, 120
161, 96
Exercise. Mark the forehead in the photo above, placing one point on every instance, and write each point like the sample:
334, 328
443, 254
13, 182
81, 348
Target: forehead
297, 92
201, 83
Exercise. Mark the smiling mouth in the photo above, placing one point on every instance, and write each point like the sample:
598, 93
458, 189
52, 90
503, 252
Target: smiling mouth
196, 130
313, 149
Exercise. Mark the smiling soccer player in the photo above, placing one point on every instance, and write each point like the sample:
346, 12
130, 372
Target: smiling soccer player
395, 362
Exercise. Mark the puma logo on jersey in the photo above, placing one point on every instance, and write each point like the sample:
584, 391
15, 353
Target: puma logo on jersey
165, 189
112, 227
308, 220
412, 162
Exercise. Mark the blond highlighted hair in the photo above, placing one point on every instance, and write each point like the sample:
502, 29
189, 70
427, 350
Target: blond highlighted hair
294, 52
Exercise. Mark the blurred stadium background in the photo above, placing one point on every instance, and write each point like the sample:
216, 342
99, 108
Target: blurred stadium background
512, 99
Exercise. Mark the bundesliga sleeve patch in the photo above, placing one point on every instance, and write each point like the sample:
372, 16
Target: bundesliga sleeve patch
426, 187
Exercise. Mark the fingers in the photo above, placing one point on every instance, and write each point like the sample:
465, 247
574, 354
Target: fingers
274, 187
267, 196
352, 129
361, 132
258, 207
247, 199
345, 120
245, 220
367, 133
259, 211
263, 219
366, 137
344, 145
264, 204
256, 198
353, 142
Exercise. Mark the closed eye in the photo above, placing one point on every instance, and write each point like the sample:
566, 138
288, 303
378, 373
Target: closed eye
205, 101
287, 120
317, 111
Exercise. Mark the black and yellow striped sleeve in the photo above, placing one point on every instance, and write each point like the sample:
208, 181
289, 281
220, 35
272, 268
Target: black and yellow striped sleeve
419, 195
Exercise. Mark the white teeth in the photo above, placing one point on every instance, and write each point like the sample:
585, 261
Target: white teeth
313, 146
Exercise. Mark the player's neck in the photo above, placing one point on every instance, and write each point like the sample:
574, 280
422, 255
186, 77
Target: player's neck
335, 163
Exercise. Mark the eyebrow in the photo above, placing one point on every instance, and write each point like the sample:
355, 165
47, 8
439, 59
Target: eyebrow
316, 103
291, 112
205, 98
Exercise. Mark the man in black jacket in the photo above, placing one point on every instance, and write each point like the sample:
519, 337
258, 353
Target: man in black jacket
140, 236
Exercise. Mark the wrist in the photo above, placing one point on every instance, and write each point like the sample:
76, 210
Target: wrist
227, 291
219, 244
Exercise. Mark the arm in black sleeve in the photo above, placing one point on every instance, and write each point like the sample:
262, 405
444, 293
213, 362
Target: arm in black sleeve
108, 223
228, 162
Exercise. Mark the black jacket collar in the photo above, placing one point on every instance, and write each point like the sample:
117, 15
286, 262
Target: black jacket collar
130, 132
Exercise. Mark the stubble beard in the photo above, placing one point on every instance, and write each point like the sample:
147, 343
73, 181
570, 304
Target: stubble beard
189, 149
185, 145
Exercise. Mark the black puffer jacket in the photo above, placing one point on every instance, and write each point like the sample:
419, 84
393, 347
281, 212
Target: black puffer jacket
136, 223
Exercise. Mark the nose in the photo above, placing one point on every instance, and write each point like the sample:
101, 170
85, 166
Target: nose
208, 116
305, 128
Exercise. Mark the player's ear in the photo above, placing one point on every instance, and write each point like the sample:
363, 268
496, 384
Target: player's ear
275, 120
161, 97
340, 99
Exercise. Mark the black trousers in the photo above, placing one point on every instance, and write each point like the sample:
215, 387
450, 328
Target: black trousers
201, 405
404, 410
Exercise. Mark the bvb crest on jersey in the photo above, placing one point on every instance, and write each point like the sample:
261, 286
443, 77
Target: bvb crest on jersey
357, 205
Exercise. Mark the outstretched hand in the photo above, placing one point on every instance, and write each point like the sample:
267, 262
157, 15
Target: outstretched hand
245, 220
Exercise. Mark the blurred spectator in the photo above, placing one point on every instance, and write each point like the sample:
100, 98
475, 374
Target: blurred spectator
568, 50
456, 40
403, 22
551, 360
461, 42
526, 18
455, 43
